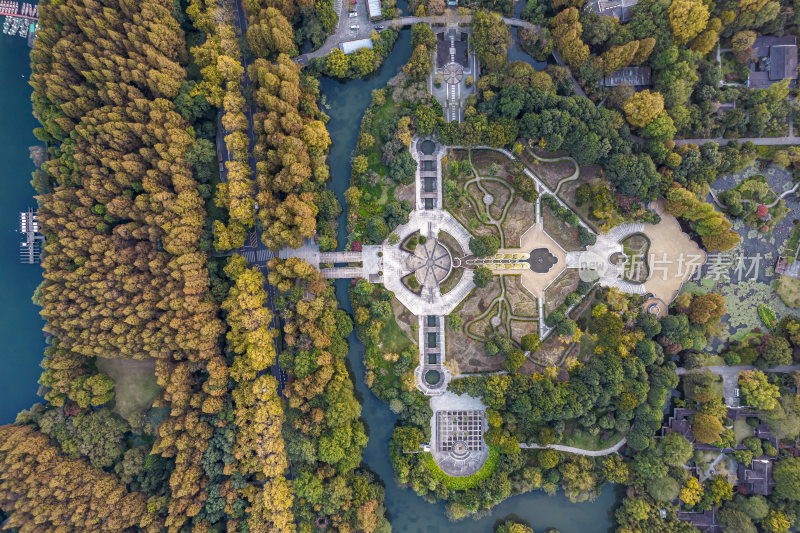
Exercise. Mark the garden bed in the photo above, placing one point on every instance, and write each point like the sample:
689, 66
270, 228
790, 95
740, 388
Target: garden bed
411, 283
557, 292
451, 244
466, 354
464, 208
636, 248
519, 218
520, 328
567, 193
568, 237
523, 303
501, 194
451, 280
482, 160
553, 173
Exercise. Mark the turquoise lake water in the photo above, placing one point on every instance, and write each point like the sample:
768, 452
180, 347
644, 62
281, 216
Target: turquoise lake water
20, 324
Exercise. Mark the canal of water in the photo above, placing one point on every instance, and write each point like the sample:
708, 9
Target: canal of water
347, 102
20, 324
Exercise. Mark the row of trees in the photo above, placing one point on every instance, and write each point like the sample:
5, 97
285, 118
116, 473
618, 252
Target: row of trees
285, 26
259, 448
712, 226
325, 436
291, 149
219, 59
31, 468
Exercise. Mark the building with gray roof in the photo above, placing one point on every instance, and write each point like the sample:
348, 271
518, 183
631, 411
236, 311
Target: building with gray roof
777, 61
633, 76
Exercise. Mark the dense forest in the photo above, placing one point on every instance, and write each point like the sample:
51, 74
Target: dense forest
127, 94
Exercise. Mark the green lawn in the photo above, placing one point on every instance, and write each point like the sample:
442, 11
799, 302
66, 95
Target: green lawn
581, 439
451, 281
789, 290
135, 385
394, 339
466, 482
741, 430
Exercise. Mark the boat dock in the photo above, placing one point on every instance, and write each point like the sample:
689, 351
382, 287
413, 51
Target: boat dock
31, 247
20, 19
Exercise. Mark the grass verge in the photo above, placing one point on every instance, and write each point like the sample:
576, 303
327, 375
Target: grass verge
466, 482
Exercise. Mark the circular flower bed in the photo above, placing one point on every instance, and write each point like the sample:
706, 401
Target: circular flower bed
432, 377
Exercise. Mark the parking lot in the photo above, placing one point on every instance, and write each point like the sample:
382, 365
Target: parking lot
354, 20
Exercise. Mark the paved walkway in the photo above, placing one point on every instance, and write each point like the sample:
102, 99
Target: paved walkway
577, 451
395, 266
780, 197
761, 141
432, 351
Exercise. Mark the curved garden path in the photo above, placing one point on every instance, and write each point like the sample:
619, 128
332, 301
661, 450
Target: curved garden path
500, 307
477, 179
577, 451
572, 177
780, 197
541, 186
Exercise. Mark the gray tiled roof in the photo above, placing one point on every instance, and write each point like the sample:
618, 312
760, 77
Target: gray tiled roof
783, 62
636, 76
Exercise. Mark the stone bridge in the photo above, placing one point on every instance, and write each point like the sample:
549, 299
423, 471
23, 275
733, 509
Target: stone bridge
458, 19
370, 259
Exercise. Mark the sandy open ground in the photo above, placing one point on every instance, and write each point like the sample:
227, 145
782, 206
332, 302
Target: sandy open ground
673, 256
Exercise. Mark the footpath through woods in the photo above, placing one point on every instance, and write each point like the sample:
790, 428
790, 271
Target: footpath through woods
761, 141
254, 250
577, 451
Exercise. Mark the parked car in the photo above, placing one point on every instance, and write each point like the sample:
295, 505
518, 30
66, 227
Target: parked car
380, 28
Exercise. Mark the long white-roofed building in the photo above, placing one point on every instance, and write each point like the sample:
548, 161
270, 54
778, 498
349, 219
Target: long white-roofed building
374, 8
